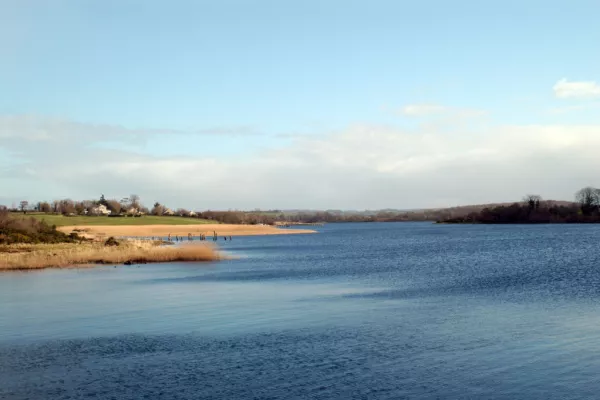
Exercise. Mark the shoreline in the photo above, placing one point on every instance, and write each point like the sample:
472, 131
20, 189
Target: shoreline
180, 230
133, 248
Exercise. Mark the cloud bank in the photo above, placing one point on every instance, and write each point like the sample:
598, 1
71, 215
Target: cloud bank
362, 166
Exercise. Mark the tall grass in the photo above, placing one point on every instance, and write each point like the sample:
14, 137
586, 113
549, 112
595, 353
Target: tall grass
26, 257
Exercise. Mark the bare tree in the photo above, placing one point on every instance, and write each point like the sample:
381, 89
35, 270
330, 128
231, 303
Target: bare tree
124, 203
182, 212
23, 206
67, 206
158, 209
113, 205
533, 201
45, 207
79, 208
588, 199
134, 201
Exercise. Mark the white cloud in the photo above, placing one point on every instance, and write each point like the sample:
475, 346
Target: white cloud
428, 110
419, 110
56, 131
565, 89
228, 131
363, 166
575, 107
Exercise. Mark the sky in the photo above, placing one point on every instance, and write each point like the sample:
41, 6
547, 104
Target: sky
308, 104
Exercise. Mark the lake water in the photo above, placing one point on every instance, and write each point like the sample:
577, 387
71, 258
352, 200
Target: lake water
359, 311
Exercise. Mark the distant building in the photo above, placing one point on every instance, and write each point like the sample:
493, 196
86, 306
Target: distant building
100, 210
168, 211
134, 211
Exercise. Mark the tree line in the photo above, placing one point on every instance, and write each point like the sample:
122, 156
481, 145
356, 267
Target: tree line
132, 205
84, 207
533, 209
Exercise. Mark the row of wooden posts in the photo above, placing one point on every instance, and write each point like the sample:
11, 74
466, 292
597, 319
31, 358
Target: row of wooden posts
191, 237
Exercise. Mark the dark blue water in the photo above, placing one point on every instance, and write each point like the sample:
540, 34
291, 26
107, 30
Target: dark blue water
359, 311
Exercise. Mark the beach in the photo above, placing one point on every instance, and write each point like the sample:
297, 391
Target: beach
179, 230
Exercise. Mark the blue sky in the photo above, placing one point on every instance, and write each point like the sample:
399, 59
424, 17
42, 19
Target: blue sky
234, 82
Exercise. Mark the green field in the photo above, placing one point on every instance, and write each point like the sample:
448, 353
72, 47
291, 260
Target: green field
60, 220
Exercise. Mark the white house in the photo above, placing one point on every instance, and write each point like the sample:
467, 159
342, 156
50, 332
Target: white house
101, 210
134, 211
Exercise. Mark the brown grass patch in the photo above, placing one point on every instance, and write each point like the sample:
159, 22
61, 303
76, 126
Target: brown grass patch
25, 257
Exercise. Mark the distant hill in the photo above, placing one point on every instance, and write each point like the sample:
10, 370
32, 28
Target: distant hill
390, 215
530, 212
467, 209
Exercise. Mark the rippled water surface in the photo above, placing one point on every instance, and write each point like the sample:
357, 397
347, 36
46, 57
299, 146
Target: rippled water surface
358, 311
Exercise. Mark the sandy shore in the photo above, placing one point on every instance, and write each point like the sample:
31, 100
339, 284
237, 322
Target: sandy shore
181, 230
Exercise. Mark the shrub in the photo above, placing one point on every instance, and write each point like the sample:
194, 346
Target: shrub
30, 230
111, 241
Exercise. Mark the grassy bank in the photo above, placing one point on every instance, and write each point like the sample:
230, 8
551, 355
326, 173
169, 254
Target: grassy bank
38, 256
61, 220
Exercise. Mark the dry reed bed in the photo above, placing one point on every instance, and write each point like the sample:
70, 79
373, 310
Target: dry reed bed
26, 257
